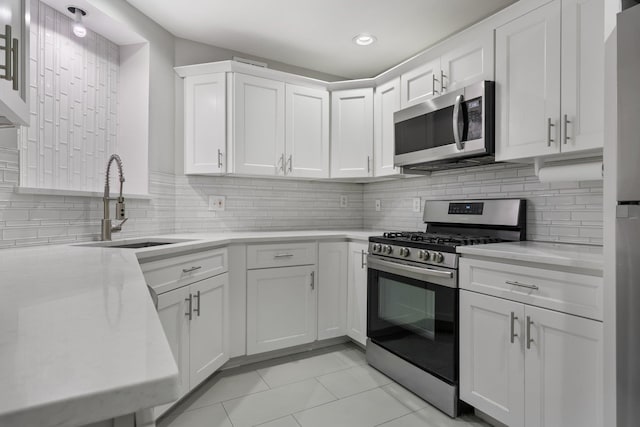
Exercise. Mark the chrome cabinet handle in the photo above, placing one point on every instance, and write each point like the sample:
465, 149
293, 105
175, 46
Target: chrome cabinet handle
513, 328
522, 285
433, 84
197, 309
290, 162
219, 159
283, 255
7, 53
566, 135
16, 63
190, 301
529, 339
442, 77
456, 116
363, 264
368, 164
189, 270
549, 126
281, 163
313, 280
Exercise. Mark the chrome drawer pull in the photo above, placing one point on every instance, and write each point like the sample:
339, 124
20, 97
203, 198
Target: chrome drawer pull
313, 280
189, 270
283, 255
513, 331
522, 285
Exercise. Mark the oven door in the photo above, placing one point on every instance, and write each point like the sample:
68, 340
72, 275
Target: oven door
413, 312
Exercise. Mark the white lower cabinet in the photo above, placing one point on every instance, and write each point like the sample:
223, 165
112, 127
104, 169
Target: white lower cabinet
529, 366
195, 322
281, 308
357, 293
333, 268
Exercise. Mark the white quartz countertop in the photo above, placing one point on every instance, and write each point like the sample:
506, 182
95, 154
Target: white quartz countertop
561, 254
80, 339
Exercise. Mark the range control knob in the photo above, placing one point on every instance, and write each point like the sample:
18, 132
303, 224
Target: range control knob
377, 248
438, 257
388, 249
405, 252
424, 255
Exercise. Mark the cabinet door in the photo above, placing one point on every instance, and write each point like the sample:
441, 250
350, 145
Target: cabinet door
13, 93
209, 337
333, 270
357, 293
420, 84
205, 124
351, 133
528, 84
470, 62
563, 370
491, 365
281, 308
582, 74
258, 126
307, 133
174, 316
386, 102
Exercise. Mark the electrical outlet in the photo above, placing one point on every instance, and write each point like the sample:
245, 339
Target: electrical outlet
378, 205
343, 201
217, 203
416, 204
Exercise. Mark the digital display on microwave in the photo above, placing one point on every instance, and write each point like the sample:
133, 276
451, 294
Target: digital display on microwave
474, 103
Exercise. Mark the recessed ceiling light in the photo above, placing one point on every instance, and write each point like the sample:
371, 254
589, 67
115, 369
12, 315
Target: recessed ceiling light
364, 39
78, 27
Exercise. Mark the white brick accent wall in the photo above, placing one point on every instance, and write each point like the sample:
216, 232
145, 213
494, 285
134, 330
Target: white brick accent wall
73, 102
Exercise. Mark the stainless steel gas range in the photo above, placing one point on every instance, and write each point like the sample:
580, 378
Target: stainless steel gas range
412, 320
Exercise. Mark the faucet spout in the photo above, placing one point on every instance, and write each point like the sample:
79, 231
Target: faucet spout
107, 229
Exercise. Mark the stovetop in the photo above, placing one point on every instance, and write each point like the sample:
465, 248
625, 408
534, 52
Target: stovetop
432, 241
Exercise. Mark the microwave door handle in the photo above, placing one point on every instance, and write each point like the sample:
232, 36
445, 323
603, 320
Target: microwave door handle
456, 115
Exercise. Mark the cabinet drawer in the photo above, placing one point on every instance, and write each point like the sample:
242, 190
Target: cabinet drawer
171, 273
564, 291
281, 255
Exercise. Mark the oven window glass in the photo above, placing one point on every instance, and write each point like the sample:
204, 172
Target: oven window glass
407, 307
415, 320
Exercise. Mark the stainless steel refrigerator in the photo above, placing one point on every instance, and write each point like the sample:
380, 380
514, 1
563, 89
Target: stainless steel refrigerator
628, 220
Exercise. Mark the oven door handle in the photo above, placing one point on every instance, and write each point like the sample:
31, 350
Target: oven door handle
373, 263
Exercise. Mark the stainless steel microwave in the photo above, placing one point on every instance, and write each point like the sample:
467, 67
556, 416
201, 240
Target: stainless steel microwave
452, 130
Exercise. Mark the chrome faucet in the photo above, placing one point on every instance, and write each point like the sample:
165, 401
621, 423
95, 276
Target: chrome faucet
107, 229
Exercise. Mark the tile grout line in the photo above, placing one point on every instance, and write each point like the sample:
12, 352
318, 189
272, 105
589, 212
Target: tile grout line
227, 413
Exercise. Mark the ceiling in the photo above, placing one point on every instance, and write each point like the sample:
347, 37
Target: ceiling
318, 34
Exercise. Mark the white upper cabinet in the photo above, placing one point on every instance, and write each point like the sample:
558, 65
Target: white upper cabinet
14, 62
582, 74
528, 84
386, 101
352, 133
205, 124
307, 132
421, 84
258, 126
550, 80
467, 61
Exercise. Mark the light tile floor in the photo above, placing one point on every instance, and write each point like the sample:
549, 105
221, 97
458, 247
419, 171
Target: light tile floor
331, 387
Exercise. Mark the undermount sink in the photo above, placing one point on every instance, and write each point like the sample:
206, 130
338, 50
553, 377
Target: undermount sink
135, 243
